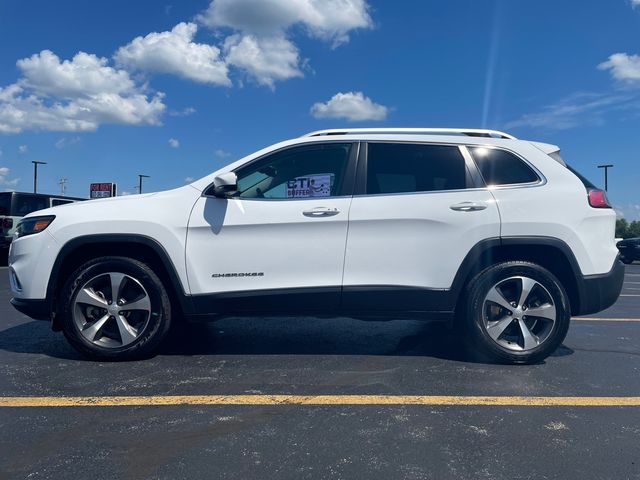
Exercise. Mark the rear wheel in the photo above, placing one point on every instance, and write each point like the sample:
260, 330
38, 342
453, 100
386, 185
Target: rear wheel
626, 261
517, 312
115, 308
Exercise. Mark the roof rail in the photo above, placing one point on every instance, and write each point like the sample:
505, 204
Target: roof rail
470, 132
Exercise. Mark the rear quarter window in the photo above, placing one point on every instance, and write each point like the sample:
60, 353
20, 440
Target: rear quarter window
499, 167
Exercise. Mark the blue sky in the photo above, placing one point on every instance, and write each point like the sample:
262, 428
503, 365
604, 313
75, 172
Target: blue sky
208, 82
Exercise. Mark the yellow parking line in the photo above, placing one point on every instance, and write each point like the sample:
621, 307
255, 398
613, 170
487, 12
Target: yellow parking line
604, 319
319, 400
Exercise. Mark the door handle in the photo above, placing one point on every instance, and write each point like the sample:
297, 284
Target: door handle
321, 212
468, 206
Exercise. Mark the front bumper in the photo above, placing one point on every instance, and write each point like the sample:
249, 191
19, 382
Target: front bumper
599, 292
36, 309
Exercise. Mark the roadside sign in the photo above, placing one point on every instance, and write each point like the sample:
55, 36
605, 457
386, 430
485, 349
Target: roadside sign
102, 190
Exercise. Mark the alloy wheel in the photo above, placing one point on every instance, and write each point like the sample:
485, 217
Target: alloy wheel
112, 310
519, 313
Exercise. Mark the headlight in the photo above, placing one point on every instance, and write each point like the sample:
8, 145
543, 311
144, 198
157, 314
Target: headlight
33, 225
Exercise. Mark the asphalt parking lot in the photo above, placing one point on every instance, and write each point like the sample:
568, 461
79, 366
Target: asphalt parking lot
322, 398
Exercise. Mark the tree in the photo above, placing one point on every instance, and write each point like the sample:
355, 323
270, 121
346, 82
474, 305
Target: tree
622, 226
634, 229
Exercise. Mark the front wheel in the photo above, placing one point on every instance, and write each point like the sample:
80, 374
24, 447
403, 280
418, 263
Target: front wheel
516, 312
626, 261
115, 308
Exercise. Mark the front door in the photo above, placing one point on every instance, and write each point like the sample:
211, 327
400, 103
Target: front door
278, 244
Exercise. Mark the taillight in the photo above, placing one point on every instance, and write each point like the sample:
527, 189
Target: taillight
7, 223
598, 199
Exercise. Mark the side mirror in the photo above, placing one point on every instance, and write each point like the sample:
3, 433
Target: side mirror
225, 184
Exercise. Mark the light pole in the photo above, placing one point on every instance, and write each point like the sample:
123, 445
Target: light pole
63, 186
35, 174
606, 175
140, 177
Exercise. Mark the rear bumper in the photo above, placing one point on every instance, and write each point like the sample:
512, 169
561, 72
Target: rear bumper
36, 309
5, 241
599, 292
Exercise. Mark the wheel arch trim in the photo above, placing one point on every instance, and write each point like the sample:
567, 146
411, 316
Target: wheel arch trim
118, 239
478, 255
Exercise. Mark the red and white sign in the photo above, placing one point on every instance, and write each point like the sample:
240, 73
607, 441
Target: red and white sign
102, 190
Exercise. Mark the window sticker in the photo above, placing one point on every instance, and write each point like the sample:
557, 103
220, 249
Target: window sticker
309, 186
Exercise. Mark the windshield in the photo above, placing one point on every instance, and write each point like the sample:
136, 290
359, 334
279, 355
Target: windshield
5, 203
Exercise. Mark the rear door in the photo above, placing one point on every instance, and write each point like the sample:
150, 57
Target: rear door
418, 210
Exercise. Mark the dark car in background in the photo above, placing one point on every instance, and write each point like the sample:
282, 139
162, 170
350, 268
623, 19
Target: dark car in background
629, 250
15, 205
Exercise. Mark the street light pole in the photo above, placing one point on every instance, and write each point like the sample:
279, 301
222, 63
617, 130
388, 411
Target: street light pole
35, 174
140, 177
606, 175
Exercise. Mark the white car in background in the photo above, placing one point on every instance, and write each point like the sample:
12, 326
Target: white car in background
475, 227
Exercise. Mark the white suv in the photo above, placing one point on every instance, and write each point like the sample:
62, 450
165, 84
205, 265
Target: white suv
496, 235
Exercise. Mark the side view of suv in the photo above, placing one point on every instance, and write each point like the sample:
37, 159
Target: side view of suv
498, 236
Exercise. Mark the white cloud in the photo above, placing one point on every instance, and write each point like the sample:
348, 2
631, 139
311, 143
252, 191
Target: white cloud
352, 106
85, 74
185, 112
189, 180
175, 53
261, 42
266, 59
326, 19
76, 95
4, 173
635, 3
22, 149
623, 67
580, 109
173, 143
220, 153
66, 142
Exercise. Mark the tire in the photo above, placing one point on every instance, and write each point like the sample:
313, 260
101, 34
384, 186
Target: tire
626, 261
138, 318
487, 327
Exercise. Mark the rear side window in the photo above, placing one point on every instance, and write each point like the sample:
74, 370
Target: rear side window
57, 201
499, 167
24, 204
402, 168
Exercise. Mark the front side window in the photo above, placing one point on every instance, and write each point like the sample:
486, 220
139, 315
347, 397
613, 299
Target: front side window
301, 172
499, 167
402, 168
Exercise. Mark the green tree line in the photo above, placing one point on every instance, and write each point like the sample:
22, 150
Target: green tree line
625, 229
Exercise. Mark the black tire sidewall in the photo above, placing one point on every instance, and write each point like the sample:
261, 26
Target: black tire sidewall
478, 290
159, 320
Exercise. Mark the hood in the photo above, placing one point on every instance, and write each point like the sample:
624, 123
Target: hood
108, 204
